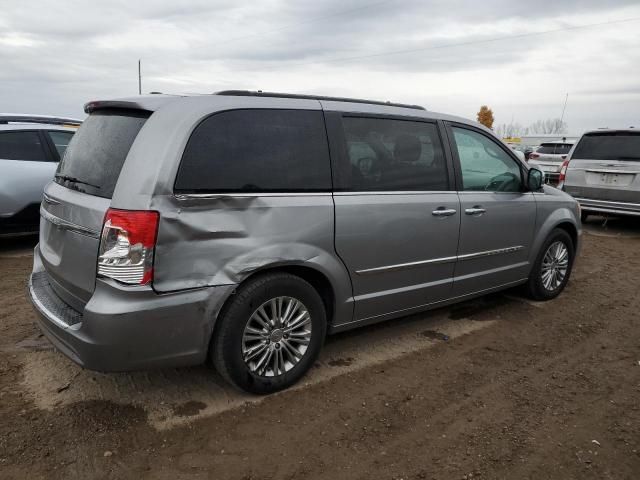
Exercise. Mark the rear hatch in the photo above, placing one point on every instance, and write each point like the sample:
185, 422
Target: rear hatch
606, 166
549, 156
75, 203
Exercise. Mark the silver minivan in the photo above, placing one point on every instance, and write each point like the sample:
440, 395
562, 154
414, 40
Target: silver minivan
242, 227
603, 172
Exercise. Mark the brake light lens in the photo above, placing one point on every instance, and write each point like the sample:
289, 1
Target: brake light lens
563, 173
534, 155
127, 246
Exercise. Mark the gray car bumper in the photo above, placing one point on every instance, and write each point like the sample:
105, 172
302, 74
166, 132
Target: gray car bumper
128, 329
606, 206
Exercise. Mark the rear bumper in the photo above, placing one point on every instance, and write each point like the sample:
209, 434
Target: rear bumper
123, 328
606, 206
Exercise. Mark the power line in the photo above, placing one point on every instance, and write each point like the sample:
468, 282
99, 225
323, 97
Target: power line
446, 45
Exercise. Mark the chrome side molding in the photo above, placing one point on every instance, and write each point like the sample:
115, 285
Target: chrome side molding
441, 260
490, 253
402, 266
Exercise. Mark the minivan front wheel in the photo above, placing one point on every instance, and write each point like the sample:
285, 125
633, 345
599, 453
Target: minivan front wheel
552, 268
270, 333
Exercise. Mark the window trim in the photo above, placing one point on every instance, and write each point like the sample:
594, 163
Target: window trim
449, 125
44, 145
213, 194
340, 155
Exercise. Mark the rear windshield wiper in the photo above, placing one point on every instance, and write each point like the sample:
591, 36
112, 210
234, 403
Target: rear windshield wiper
68, 178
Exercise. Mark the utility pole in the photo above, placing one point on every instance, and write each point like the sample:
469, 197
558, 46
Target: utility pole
139, 78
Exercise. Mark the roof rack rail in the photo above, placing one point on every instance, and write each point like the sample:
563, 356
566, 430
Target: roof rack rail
260, 93
13, 118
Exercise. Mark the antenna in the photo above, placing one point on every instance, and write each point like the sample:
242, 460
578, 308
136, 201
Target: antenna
139, 78
563, 108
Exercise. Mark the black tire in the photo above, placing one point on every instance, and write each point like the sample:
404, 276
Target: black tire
226, 352
535, 288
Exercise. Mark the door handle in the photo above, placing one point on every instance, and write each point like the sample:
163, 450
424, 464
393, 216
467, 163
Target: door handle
477, 210
443, 212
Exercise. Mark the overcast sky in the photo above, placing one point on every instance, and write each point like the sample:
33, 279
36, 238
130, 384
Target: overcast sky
448, 55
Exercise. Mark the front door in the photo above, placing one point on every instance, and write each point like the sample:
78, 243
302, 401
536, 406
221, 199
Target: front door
497, 215
397, 213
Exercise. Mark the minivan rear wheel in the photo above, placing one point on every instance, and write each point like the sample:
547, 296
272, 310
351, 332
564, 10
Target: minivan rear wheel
552, 268
269, 334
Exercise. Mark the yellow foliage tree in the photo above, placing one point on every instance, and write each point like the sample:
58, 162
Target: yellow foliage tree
485, 116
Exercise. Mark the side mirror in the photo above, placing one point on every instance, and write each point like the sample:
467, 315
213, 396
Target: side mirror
535, 179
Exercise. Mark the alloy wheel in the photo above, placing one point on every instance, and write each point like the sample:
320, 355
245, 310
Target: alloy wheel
555, 264
276, 336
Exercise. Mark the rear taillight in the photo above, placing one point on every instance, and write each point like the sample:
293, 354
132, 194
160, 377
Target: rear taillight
127, 245
534, 155
563, 173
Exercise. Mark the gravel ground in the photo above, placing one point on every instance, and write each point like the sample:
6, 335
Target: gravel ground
499, 387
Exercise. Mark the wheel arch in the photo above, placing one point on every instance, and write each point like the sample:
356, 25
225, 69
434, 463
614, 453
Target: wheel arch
571, 229
317, 279
562, 218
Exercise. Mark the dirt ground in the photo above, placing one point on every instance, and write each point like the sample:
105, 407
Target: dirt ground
499, 387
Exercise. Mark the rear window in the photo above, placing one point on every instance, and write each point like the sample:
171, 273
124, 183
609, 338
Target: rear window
609, 146
257, 151
555, 148
96, 153
24, 145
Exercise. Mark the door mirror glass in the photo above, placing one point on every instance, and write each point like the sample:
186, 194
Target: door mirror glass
535, 179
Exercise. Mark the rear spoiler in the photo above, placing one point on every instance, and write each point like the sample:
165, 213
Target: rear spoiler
148, 103
72, 122
119, 104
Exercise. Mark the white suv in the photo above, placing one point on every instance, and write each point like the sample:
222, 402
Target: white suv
30, 148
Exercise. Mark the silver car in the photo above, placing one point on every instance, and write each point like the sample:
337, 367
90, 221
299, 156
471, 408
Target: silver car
30, 148
242, 227
603, 172
548, 157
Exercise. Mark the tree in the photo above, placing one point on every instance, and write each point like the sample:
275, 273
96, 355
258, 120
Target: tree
485, 116
549, 126
508, 130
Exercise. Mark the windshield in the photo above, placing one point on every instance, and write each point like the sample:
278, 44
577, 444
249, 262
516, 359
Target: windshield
609, 146
96, 153
555, 148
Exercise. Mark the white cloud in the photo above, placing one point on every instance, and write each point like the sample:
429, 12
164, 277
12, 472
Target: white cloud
71, 52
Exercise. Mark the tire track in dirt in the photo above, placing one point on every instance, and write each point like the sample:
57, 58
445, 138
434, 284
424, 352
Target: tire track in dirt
173, 397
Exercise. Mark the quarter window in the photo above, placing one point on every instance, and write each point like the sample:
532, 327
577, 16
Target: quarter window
24, 145
484, 165
60, 140
392, 155
257, 151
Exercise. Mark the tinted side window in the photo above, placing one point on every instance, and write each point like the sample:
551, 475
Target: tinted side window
22, 146
257, 151
392, 155
484, 165
555, 148
60, 140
